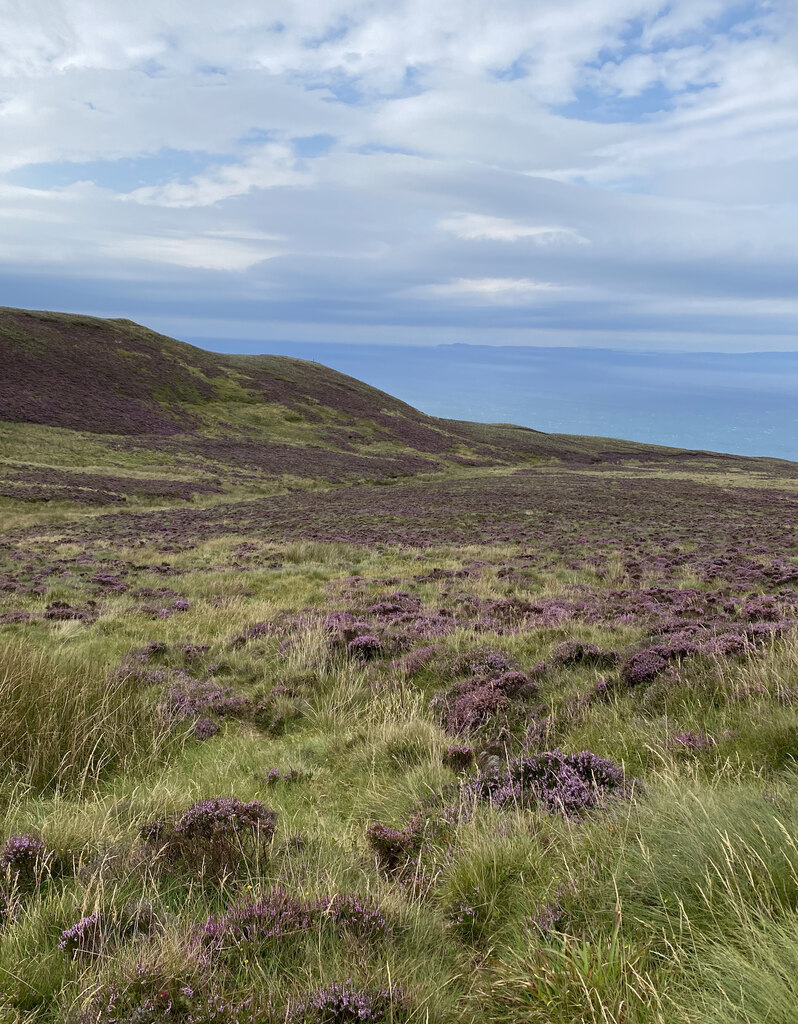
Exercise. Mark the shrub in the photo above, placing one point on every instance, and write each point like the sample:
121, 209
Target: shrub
643, 666
364, 647
205, 728
158, 994
576, 652
86, 937
474, 703
458, 758
22, 858
275, 918
691, 741
394, 848
344, 1004
566, 783
212, 835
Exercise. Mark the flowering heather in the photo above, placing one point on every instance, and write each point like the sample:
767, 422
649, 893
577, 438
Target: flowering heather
86, 937
205, 728
691, 741
484, 661
254, 632
475, 703
15, 617
187, 698
48, 484
274, 775
394, 848
341, 1003
276, 917
643, 666
364, 647
155, 995
213, 835
576, 652
415, 660
558, 782
62, 610
458, 758
547, 918
22, 858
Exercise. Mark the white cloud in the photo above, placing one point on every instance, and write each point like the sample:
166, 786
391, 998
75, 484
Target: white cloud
490, 289
174, 140
272, 166
203, 253
478, 226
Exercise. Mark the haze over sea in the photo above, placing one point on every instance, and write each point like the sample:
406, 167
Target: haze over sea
742, 403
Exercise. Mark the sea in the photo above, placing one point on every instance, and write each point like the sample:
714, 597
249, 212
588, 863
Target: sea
744, 404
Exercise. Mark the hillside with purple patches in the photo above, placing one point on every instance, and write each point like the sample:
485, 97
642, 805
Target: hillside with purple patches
267, 417
317, 709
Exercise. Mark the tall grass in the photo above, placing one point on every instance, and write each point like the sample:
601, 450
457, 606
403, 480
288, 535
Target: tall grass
65, 723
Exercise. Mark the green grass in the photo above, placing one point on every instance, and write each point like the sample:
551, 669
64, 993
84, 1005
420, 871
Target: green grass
675, 905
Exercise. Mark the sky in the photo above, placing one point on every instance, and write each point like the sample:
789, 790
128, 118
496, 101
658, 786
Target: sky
586, 173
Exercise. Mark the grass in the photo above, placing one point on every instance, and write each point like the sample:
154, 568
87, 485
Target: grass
673, 902
64, 724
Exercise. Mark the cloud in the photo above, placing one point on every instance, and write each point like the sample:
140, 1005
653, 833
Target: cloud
478, 226
203, 252
491, 289
155, 158
272, 166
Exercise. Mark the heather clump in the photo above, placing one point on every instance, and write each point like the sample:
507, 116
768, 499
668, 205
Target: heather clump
577, 652
394, 849
256, 631
483, 662
187, 697
270, 922
569, 784
458, 757
157, 993
275, 775
691, 741
643, 666
23, 858
473, 704
205, 729
547, 918
364, 647
87, 937
212, 836
342, 1003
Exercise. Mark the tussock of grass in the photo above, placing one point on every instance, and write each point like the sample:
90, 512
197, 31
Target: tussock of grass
64, 724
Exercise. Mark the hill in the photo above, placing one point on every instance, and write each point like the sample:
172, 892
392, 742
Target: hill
512, 739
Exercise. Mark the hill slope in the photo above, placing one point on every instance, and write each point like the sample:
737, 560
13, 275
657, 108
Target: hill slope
79, 392
116, 377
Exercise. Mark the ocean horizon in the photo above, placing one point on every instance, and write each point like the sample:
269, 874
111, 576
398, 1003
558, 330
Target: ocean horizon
743, 404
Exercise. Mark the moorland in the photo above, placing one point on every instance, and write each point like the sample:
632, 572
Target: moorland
316, 709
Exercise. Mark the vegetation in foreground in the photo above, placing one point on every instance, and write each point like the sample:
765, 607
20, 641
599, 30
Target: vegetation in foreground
499, 744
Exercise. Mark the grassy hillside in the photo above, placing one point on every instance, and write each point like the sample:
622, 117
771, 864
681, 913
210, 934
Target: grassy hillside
511, 740
156, 419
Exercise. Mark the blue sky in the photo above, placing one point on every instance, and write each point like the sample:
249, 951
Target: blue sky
590, 173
